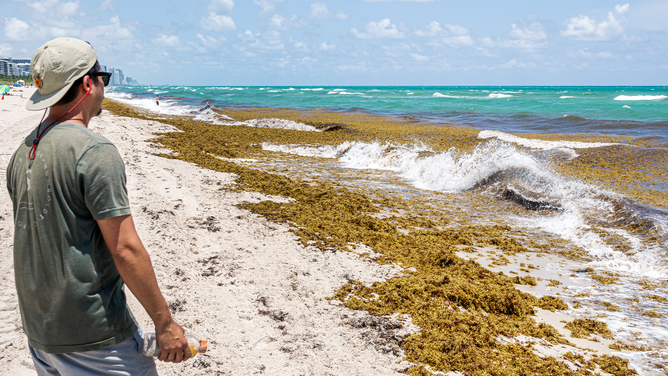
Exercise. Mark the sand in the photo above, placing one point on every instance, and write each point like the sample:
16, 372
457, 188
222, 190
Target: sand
245, 284
231, 277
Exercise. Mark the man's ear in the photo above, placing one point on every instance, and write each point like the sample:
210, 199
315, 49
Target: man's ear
87, 83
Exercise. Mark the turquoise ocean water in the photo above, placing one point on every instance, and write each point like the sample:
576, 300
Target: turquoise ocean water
504, 169
617, 110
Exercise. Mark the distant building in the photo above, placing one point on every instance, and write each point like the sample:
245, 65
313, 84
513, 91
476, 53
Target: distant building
4, 68
15, 66
103, 68
119, 79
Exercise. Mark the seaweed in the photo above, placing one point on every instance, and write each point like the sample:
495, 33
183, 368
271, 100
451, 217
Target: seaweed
583, 328
461, 307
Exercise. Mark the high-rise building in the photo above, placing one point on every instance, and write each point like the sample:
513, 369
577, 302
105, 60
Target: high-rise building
15, 66
4, 67
117, 77
103, 68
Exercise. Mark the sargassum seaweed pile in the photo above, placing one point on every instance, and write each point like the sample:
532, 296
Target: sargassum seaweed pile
461, 308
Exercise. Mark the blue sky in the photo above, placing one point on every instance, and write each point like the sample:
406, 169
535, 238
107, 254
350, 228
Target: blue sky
357, 42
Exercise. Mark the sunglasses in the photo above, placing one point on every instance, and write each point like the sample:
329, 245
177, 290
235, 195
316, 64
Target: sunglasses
105, 76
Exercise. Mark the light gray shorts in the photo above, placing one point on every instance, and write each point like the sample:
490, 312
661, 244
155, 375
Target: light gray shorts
124, 359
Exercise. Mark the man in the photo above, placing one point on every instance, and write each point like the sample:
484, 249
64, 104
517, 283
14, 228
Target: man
75, 244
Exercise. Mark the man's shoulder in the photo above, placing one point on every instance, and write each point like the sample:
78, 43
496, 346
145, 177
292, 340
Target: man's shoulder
74, 135
78, 133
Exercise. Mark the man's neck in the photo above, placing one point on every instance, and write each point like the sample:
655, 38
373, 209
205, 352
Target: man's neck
59, 114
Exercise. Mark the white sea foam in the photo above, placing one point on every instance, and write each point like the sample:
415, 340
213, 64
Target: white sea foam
166, 107
566, 96
497, 95
326, 151
497, 162
540, 144
439, 95
339, 90
309, 89
280, 124
625, 106
640, 97
348, 93
174, 107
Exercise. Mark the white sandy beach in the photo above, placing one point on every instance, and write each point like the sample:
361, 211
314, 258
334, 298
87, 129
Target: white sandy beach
243, 283
235, 279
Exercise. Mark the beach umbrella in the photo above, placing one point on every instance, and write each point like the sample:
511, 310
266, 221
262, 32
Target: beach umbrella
4, 88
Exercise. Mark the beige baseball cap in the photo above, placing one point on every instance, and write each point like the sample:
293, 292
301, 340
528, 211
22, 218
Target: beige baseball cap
55, 66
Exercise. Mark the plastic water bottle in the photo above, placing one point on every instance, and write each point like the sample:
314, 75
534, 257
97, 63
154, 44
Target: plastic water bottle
151, 348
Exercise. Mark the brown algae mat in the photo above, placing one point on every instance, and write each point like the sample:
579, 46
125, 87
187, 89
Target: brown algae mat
461, 307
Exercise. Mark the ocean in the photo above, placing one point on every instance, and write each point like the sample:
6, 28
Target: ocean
583, 166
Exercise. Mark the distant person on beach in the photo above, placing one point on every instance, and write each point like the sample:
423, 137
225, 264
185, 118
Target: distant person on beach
157, 100
75, 243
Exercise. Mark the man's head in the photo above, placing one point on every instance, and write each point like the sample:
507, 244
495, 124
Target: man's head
56, 67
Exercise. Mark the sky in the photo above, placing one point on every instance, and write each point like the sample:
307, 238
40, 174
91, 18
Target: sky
356, 42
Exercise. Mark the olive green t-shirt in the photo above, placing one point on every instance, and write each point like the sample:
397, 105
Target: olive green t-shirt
70, 293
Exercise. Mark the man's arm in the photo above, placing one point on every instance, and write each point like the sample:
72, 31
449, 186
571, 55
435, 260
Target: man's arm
134, 265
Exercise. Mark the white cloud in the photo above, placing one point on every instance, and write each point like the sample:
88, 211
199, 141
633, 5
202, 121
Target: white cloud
587, 29
488, 42
340, 15
51, 18
17, 30
6, 49
167, 41
520, 44
327, 47
361, 67
528, 35
218, 22
268, 41
417, 57
281, 23
452, 35
381, 29
319, 10
277, 22
210, 41
221, 6
533, 31
485, 52
461, 40
602, 54
52, 9
300, 46
267, 5
515, 64
113, 31
107, 5
434, 29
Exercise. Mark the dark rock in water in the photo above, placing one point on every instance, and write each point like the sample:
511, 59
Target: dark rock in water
530, 200
207, 106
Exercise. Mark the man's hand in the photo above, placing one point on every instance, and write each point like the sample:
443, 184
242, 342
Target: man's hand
173, 345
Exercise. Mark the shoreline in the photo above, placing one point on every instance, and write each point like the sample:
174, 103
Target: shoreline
189, 126
200, 240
